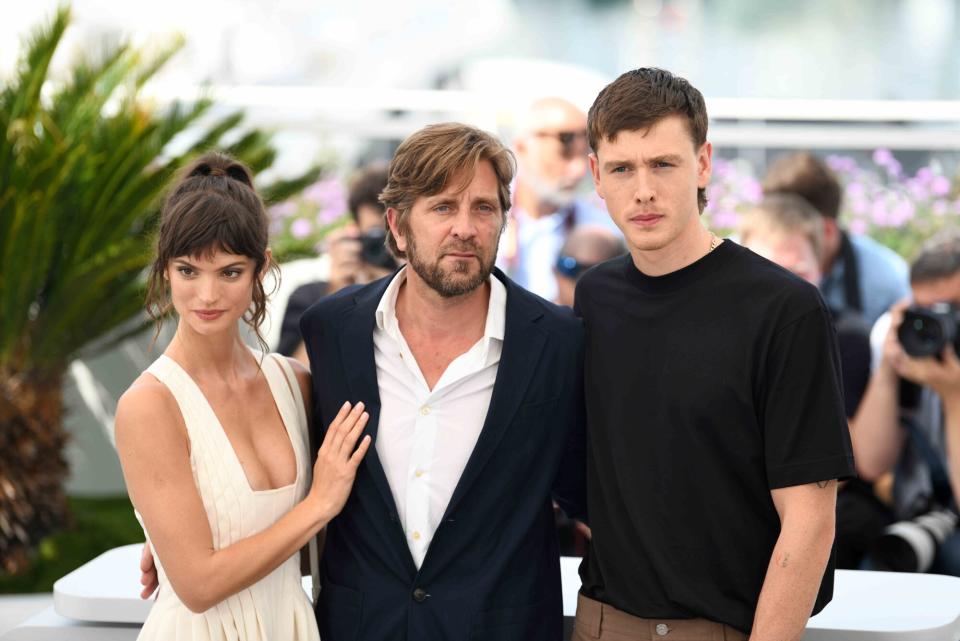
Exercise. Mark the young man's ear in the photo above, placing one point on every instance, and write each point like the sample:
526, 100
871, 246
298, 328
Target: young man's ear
704, 164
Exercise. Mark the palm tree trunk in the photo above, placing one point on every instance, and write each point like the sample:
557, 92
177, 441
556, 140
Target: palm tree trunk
33, 469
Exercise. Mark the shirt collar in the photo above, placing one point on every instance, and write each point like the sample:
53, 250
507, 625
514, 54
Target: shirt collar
386, 314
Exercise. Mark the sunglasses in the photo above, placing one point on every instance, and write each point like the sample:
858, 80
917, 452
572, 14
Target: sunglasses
572, 143
570, 267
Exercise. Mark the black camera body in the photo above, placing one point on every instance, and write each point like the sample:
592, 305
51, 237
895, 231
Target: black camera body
925, 331
373, 249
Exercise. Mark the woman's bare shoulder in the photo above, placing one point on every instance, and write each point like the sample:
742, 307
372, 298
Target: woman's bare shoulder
302, 372
148, 402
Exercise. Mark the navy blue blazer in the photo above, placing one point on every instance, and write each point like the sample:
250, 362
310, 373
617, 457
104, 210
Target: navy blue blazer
492, 569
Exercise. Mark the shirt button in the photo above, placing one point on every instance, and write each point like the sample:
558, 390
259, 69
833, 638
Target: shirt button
424, 410
420, 595
662, 629
416, 536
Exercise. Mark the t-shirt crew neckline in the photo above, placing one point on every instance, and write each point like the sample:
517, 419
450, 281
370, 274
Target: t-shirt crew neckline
682, 277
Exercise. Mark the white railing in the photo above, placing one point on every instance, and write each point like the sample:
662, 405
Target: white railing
737, 122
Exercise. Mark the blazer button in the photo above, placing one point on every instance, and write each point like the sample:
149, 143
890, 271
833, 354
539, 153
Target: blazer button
420, 595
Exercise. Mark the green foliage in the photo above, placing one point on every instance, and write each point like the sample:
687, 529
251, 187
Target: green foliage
84, 163
83, 166
99, 525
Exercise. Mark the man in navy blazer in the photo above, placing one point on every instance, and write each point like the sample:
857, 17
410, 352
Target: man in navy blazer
469, 552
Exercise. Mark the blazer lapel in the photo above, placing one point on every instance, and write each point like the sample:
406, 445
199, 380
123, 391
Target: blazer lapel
359, 365
522, 343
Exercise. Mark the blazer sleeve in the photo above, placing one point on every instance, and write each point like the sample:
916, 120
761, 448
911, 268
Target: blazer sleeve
570, 485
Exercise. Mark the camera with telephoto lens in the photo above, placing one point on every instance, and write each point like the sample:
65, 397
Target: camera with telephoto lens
910, 546
373, 249
925, 331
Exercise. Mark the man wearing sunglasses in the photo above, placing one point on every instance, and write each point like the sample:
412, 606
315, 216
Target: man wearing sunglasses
551, 150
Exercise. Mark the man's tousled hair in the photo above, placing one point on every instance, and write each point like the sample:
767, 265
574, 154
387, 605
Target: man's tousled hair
425, 162
640, 98
939, 258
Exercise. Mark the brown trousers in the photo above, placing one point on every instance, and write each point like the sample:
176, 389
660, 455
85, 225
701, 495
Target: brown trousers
596, 620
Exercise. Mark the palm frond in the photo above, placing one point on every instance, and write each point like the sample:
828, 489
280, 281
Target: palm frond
281, 190
86, 170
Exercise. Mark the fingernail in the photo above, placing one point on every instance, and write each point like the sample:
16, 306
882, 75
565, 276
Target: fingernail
360, 404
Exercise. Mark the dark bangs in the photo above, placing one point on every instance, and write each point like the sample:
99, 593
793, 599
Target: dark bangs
210, 223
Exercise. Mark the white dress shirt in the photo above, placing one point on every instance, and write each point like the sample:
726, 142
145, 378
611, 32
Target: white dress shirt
425, 436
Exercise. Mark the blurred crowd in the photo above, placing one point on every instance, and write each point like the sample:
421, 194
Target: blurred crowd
896, 324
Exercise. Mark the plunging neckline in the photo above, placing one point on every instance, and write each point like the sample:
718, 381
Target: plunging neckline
226, 437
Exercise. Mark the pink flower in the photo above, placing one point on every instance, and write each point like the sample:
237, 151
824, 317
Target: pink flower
858, 226
726, 219
301, 228
842, 164
284, 210
879, 214
940, 186
752, 191
902, 212
883, 157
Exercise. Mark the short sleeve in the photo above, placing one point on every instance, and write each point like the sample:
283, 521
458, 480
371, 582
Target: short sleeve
878, 335
805, 431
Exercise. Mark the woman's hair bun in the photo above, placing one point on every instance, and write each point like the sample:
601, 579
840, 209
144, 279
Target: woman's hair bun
215, 164
202, 169
240, 173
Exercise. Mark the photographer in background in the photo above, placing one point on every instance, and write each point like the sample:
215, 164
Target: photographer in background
551, 151
909, 420
859, 274
786, 229
358, 255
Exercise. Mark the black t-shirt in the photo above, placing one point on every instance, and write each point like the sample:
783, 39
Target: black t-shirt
705, 389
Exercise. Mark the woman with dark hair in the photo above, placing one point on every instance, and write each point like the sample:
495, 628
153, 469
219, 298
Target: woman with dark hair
213, 437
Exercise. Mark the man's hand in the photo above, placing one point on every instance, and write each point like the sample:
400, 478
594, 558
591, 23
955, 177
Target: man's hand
343, 246
941, 375
893, 353
148, 572
583, 529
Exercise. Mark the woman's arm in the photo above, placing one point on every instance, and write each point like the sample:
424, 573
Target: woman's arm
154, 452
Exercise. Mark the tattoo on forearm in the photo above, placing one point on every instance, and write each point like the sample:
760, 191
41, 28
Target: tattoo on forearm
785, 560
823, 484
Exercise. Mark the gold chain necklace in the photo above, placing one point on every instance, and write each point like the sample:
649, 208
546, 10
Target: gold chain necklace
714, 241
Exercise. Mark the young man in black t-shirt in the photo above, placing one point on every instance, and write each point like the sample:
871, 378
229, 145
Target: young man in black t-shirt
717, 427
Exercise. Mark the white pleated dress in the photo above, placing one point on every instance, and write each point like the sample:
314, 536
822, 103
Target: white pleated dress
276, 607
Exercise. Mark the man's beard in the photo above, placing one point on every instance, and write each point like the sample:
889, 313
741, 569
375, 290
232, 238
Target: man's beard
441, 280
550, 191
